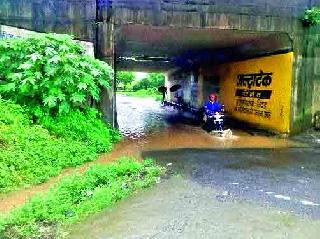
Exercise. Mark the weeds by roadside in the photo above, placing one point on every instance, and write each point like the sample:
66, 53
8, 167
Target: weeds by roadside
30, 154
78, 196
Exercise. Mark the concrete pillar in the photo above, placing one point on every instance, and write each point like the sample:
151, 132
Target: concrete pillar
305, 77
166, 84
105, 50
195, 90
201, 96
191, 85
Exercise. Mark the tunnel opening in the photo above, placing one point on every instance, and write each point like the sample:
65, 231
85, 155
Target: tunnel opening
250, 71
139, 108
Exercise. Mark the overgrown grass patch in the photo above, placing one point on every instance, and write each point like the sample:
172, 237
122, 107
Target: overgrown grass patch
30, 154
84, 126
78, 196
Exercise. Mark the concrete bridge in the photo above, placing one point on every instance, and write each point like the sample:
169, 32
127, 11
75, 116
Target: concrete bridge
256, 53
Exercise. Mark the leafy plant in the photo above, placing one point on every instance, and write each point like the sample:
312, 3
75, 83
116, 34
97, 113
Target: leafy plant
29, 154
52, 77
78, 196
156, 79
50, 73
312, 16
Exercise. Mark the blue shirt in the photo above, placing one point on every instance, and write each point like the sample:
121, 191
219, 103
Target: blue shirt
211, 108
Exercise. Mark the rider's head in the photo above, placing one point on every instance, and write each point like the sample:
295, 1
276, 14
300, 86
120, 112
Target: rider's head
213, 97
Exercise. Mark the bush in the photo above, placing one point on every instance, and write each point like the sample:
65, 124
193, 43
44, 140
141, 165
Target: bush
311, 16
50, 73
51, 76
77, 196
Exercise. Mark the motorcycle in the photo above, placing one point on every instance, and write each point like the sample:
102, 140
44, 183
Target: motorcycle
218, 120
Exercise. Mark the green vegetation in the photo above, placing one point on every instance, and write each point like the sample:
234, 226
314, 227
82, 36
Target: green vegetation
312, 16
152, 81
152, 93
83, 126
124, 79
52, 79
30, 155
147, 87
50, 74
78, 196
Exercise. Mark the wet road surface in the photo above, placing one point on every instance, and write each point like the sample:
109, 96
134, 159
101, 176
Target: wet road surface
138, 117
288, 179
244, 187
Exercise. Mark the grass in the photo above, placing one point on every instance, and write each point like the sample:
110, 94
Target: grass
76, 197
31, 154
143, 94
84, 127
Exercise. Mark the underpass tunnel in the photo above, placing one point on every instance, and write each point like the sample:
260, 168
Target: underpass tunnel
250, 71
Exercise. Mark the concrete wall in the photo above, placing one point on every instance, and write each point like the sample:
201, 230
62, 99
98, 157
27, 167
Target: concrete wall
61, 16
231, 14
181, 78
257, 91
192, 89
305, 78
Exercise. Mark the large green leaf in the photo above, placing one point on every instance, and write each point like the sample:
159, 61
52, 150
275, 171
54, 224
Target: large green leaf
9, 87
78, 97
50, 101
64, 107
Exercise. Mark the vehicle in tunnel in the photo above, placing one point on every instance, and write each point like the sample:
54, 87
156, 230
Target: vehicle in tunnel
213, 115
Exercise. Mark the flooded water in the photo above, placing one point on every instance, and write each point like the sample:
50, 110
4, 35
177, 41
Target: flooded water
241, 187
138, 117
145, 122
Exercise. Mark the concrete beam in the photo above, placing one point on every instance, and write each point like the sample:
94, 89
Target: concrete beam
144, 66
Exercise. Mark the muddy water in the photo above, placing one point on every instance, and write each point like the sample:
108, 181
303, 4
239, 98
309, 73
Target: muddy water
147, 125
241, 187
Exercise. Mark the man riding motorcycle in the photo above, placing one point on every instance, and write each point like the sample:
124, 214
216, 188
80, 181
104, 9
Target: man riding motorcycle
212, 110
